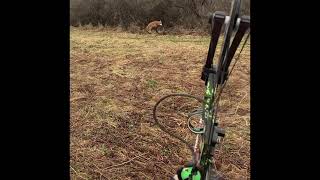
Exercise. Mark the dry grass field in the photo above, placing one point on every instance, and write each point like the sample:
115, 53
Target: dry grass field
117, 77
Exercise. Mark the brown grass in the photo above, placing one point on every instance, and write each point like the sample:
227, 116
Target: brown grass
117, 77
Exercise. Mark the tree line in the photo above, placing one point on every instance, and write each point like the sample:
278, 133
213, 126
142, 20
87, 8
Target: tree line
189, 14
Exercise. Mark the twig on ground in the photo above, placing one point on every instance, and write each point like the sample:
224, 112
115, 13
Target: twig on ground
240, 103
77, 173
124, 162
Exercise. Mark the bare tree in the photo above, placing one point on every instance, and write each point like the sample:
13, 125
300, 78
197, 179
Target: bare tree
187, 13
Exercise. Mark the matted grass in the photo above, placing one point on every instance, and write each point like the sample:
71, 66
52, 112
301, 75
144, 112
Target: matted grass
117, 77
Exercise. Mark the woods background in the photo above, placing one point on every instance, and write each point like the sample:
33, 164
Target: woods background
134, 15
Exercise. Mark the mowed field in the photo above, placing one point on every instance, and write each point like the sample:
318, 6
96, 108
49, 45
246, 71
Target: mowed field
117, 77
